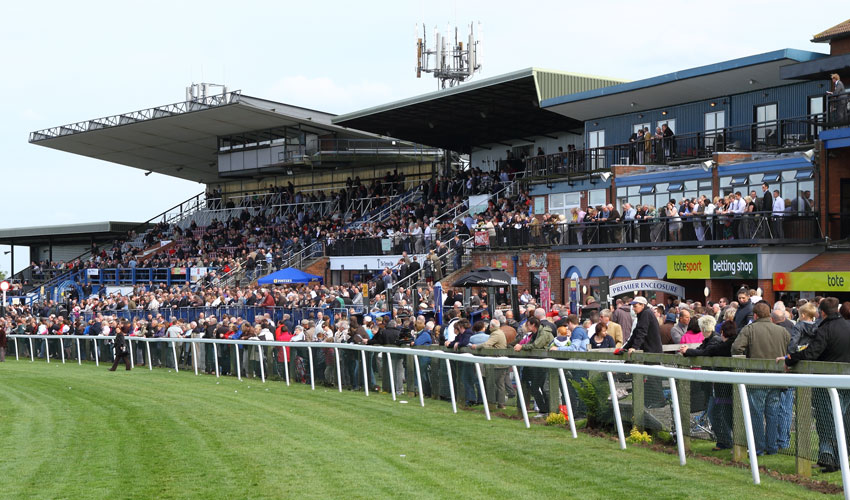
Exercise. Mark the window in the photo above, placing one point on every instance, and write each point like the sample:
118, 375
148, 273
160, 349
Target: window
715, 121
739, 180
768, 178
670, 122
596, 139
596, 197
647, 189
816, 108
639, 126
765, 117
563, 203
804, 174
676, 186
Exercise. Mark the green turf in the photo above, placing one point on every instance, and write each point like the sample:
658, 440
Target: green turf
82, 432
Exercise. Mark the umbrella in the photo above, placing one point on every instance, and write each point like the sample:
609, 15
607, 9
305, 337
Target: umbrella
484, 276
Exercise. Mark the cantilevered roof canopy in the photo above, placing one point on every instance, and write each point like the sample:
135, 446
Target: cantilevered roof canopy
68, 233
484, 112
180, 139
705, 82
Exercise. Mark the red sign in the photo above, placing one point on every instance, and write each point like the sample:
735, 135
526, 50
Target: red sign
482, 239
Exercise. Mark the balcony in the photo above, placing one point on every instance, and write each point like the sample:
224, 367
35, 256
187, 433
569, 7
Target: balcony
697, 231
774, 136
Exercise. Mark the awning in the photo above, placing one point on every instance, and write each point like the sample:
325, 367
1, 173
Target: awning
287, 276
478, 113
705, 82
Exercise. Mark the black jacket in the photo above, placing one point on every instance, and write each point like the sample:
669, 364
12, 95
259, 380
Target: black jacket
831, 343
744, 315
385, 336
712, 346
119, 343
645, 335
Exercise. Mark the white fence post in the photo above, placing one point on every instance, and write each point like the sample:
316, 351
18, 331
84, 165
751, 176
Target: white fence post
390, 370
483, 391
130, 349
195, 356
174, 351
97, 352
16, 349
521, 396
566, 390
79, 357
47, 349
617, 417
677, 415
32, 352
419, 379
215, 358
286, 364
312, 375
451, 385
338, 372
748, 427
62, 349
365, 374
238, 362
840, 436
262, 363
148, 351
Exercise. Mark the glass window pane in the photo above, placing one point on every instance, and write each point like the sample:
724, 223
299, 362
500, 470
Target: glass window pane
647, 200
690, 185
789, 175
634, 200
660, 188
634, 189
596, 197
621, 191
572, 199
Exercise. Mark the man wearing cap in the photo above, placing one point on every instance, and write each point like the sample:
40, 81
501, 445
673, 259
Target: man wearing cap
645, 335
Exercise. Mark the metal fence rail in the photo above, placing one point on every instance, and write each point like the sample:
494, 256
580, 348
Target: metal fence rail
468, 368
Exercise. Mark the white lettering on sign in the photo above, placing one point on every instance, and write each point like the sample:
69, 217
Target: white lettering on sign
625, 287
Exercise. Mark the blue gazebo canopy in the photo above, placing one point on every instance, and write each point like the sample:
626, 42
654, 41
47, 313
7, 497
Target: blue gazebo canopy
287, 276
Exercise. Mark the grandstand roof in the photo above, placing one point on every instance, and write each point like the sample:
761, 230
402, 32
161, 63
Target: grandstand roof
705, 82
35, 235
482, 112
841, 30
181, 140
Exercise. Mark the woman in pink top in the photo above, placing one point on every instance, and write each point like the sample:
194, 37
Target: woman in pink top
694, 335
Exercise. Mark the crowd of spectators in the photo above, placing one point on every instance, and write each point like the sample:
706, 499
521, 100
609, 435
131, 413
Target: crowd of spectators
805, 330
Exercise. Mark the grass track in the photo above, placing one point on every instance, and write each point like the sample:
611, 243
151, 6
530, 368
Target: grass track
82, 432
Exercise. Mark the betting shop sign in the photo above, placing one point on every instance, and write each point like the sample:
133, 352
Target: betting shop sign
727, 266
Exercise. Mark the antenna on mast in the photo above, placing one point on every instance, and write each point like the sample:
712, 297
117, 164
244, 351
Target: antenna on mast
452, 63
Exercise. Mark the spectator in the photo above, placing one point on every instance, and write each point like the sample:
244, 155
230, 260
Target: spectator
762, 339
645, 335
681, 327
831, 343
497, 340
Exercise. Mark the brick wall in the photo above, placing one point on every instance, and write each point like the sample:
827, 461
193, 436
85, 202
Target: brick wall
834, 166
839, 46
319, 268
503, 260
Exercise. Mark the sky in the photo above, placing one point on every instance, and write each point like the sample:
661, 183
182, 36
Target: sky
71, 61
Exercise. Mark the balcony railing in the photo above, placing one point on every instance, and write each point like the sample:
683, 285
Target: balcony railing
838, 110
789, 133
690, 231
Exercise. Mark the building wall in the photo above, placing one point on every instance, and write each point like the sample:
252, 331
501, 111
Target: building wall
487, 157
690, 118
525, 267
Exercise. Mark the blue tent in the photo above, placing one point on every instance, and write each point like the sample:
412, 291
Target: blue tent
288, 276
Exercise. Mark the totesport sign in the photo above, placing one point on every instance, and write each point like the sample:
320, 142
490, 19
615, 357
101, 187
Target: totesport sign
730, 266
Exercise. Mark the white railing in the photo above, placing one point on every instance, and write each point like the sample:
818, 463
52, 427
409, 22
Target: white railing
830, 382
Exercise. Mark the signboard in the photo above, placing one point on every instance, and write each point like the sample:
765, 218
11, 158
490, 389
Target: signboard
196, 273
482, 239
478, 203
369, 261
545, 290
627, 287
438, 302
92, 272
574, 293
812, 282
731, 266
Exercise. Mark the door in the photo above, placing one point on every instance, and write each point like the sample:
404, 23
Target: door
595, 143
845, 209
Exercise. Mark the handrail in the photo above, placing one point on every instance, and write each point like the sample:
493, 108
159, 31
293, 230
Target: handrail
784, 133
741, 379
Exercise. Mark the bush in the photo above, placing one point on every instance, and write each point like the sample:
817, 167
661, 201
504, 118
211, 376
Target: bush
593, 393
638, 437
556, 419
